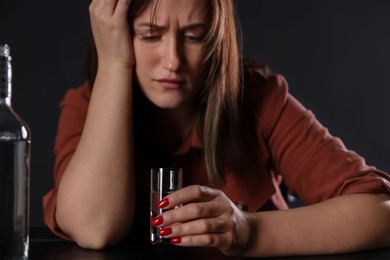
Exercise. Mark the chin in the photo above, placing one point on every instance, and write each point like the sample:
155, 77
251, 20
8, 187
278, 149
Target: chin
165, 104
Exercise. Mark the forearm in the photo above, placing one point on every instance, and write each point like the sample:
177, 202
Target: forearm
342, 224
96, 195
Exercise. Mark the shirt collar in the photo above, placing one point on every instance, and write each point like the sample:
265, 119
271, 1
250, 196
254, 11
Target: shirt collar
192, 141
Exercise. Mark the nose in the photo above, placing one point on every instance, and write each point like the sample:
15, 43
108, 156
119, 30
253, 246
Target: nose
171, 54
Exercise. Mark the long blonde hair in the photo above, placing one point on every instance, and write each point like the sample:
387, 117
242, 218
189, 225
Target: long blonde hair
222, 92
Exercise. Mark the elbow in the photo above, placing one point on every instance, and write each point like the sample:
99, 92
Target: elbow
94, 233
386, 203
96, 240
381, 226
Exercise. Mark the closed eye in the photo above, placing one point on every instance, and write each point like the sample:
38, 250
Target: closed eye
150, 38
194, 33
193, 39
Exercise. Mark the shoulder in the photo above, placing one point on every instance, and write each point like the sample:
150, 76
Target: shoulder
266, 96
77, 96
262, 87
259, 78
256, 72
82, 91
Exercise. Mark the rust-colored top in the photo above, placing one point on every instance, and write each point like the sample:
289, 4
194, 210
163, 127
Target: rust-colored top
293, 146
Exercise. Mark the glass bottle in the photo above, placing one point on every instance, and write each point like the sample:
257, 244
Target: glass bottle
15, 141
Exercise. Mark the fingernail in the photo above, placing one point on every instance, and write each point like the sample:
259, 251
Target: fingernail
163, 203
175, 240
165, 231
157, 221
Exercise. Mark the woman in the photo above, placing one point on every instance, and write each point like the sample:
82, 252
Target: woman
167, 87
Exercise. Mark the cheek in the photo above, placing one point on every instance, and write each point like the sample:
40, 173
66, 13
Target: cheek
195, 56
140, 64
196, 62
144, 57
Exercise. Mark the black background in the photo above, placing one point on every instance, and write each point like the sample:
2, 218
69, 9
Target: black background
335, 55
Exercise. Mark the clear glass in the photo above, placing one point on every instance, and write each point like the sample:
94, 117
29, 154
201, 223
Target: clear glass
163, 181
14, 171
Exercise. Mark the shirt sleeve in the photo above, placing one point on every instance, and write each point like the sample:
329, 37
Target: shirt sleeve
73, 107
314, 164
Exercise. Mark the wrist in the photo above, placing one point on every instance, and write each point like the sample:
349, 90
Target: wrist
114, 76
115, 65
250, 248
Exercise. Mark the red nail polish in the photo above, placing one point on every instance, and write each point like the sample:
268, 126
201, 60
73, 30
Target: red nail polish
165, 231
163, 203
157, 221
175, 240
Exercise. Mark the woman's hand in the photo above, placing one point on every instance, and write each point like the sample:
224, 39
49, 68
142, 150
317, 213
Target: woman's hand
208, 218
110, 28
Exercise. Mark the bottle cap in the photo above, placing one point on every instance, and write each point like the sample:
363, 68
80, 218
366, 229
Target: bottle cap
5, 50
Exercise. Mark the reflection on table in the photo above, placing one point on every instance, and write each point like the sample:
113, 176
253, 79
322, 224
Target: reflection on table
44, 245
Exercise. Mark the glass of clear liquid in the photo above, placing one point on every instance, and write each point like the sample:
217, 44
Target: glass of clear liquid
163, 181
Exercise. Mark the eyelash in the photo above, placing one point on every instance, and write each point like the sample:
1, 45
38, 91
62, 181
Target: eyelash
188, 38
150, 38
193, 39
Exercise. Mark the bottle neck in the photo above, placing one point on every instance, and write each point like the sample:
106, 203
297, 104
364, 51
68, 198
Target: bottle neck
5, 80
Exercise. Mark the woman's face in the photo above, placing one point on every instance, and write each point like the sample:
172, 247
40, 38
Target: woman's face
170, 51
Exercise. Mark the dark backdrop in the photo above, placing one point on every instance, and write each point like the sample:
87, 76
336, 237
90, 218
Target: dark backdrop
335, 55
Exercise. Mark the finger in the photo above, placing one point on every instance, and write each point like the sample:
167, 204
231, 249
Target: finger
189, 194
122, 8
95, 5
102, 7
205, 240
197, 227
192, 211
109, 7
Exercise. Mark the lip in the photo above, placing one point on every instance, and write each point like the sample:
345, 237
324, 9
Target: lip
170, 83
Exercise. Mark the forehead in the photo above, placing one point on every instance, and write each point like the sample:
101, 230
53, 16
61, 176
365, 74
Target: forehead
183, 11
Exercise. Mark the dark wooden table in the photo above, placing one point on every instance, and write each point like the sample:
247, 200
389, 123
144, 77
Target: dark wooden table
43, 245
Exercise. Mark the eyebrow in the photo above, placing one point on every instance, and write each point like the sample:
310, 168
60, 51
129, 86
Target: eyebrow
184, 28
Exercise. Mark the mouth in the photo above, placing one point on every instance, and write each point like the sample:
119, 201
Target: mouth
170, 83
